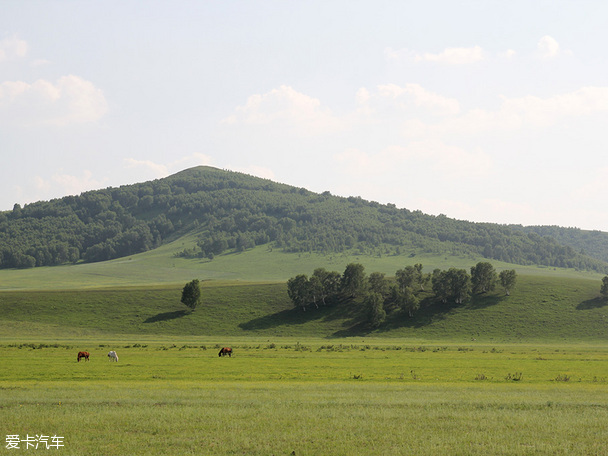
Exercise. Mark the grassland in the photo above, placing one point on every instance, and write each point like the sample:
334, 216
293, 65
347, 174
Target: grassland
540, 309
261, 264
308, 398
517, 375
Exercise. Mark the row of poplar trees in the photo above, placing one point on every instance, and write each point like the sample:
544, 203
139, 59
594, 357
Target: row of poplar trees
377, 293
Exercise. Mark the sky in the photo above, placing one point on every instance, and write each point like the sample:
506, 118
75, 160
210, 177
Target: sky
487, 111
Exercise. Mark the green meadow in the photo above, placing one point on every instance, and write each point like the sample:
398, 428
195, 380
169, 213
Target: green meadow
308, 398
517, 375
540, 309
261, 264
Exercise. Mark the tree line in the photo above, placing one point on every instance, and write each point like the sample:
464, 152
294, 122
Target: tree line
379, 294
231, 212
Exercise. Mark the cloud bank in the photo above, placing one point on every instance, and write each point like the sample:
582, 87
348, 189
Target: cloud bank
70, 100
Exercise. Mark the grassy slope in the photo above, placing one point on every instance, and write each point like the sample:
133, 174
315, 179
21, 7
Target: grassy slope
541, 308
140, 295
160, 266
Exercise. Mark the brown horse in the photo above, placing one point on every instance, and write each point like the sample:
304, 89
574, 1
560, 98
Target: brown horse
84, 355
225, 351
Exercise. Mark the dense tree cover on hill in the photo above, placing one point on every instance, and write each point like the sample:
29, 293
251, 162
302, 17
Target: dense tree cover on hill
380, 295
592, 243
232, 212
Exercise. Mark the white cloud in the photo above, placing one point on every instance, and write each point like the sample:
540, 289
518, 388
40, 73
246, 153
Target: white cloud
539, 111
428, 156
57, 186
12, 48
454, 56
449, 56
155, 169
393, 102
420, 98
509, 53
71, 100
285, 108
73, 185
548, 47
516, 113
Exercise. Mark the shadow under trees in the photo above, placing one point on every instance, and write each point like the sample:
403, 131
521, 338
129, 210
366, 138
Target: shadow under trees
594, 303
166, 316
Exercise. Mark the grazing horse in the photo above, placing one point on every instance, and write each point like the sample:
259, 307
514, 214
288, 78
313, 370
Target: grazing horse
225, 351
112, 356
84, 355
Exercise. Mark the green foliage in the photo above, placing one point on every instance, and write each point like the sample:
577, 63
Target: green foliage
191, 294
378, 283
407, 300
452, 285
231, 211
507, 278
604, 287
483, 277
374, 303
326, 284
588, 242
412, 277
353, 280
299, 290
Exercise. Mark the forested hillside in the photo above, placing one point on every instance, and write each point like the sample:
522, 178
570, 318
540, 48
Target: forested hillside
593, 243
232, 212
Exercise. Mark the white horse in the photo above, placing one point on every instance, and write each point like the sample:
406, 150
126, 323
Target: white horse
112, 356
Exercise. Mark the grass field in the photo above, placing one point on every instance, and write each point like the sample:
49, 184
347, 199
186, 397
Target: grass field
160, 266
310, 398
518, 375
540, 309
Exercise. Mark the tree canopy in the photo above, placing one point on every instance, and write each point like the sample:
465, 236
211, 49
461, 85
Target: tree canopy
191, 294
604, 287
379, 296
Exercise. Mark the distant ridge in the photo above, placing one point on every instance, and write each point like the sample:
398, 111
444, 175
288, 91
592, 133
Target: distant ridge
231, 211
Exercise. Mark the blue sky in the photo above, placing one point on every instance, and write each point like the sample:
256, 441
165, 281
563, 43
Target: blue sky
481, 110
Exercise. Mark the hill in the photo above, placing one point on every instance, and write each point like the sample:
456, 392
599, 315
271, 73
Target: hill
222, 212
588, 242
540, 308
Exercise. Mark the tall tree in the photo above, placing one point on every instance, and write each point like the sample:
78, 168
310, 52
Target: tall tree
315, 290
412, 276
374, 302
353, 280
407, 301
329, 283
378, 284
406, 277
461, 284
507, 278
604, 287
440, 285
453, 284
191, 294
422, 279
298, 289
483, 277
